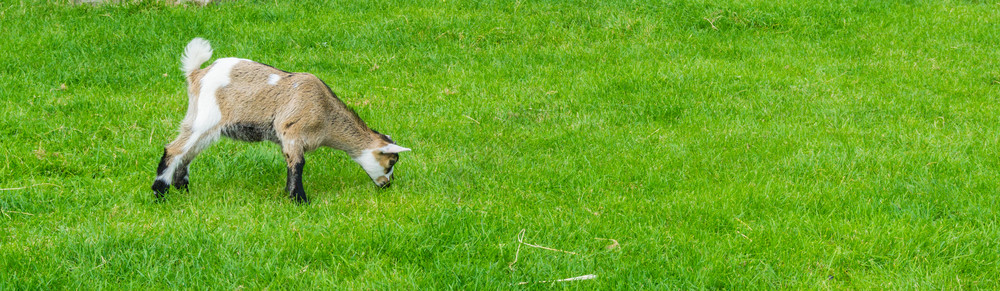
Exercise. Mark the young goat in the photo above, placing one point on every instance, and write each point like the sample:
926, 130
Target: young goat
249, 101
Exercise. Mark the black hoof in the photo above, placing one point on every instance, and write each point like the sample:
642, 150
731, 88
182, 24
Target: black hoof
183, 186
160, 188
299, 197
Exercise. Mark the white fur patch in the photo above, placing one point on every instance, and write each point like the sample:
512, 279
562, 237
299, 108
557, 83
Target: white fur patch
208, 107
273, 79
371, 166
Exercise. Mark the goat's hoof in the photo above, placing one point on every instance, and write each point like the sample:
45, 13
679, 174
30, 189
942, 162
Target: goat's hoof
160, 188
300, 199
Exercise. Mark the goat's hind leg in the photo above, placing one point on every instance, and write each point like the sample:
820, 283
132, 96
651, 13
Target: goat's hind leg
168, 165
181, 174
173, 168
181, 179
160, 186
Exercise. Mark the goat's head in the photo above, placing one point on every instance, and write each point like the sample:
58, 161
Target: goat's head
379, 161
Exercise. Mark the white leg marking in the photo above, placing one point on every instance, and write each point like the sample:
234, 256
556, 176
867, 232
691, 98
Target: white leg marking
273, 79
168, 174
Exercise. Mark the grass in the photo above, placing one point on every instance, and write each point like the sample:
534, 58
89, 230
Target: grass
723, 144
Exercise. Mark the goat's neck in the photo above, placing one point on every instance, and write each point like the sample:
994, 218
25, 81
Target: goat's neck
356, 140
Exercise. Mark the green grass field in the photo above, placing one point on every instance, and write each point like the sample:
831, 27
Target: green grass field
722, 144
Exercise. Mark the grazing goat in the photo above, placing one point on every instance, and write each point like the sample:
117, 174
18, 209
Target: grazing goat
249, 101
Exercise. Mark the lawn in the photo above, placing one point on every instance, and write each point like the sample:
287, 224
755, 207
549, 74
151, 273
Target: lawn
653, 144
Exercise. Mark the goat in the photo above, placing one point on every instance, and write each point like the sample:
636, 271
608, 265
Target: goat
249, 101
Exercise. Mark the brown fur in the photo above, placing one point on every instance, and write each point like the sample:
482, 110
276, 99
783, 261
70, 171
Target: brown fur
299, 107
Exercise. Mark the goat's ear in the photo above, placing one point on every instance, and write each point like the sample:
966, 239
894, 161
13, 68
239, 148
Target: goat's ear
392, 149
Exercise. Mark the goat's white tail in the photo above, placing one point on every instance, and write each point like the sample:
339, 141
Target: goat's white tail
197, 52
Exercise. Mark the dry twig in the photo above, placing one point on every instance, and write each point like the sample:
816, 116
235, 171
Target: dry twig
26, 187
580, 278
520, 241
614, 242
470, 118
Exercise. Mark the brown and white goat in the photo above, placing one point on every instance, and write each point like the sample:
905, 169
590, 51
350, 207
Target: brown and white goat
249, 101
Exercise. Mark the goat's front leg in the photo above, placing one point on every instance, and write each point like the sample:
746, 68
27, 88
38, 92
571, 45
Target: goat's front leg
294, 157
